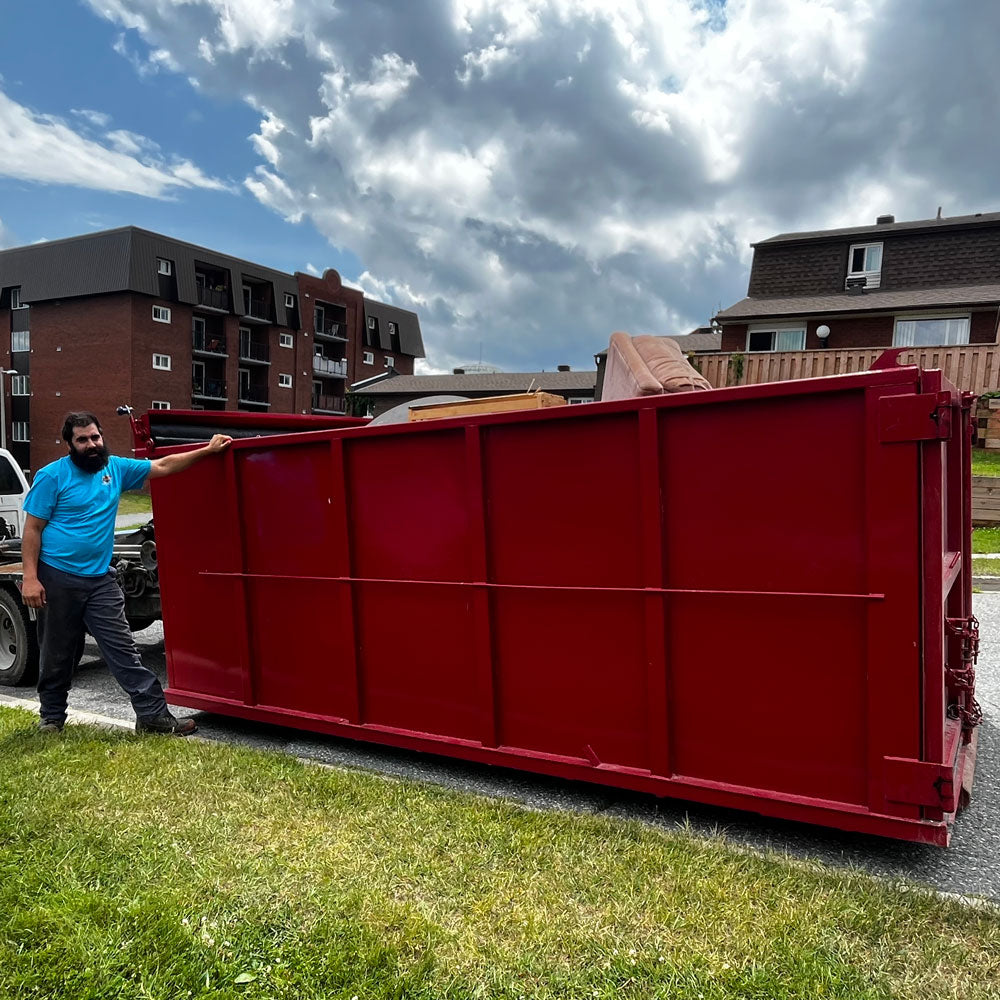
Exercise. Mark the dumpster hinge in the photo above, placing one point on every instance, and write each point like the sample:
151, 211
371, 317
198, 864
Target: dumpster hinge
920, 783
962, 679
914, 417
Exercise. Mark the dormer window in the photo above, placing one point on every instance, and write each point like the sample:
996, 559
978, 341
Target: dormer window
865, 261
164, 266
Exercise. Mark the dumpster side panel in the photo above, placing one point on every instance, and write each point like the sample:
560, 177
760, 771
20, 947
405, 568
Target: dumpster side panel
285, 612
563, 531
197, 516
410, 521
767, 639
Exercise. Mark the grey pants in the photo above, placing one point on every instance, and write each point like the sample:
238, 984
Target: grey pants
95, 603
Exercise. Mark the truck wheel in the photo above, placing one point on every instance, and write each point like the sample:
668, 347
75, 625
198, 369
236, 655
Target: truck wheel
18, 645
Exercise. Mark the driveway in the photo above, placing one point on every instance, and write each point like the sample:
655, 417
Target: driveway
970, 866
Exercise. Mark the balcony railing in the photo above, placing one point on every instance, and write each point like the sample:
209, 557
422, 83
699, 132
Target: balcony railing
334, 404
971, 367
330, 329
252, 350
253, 394
214, 298
210, 388
329, 366
208, 343
257, 309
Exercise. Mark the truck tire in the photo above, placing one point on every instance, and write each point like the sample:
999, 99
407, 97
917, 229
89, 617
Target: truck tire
18, 643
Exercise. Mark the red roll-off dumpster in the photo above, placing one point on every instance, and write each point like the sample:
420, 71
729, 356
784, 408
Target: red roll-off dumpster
756, 597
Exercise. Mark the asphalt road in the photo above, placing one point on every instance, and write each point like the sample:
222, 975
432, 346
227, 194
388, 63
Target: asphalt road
970, 866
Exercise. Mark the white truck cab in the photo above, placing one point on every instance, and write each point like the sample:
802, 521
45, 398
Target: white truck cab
13, 489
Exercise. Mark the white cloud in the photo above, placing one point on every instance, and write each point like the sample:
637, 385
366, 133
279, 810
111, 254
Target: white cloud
48, 151
536, 173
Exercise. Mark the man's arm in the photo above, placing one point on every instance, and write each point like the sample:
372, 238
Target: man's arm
170, 464
32, 591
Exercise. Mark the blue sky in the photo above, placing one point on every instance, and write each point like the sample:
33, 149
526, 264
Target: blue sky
210, 130
527, 175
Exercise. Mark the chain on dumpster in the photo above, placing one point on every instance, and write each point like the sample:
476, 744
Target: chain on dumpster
963, 678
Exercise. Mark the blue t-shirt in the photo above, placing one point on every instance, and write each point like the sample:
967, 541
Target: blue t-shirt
80, 508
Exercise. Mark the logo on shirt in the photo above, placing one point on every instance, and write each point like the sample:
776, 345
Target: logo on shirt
105, 479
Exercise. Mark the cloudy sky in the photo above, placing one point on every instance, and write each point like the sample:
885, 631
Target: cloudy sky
528, 175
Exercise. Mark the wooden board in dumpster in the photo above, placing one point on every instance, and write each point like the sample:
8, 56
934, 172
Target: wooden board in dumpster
745, 597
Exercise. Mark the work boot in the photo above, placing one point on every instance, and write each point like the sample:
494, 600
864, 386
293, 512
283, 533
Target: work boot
49, 726
166, 725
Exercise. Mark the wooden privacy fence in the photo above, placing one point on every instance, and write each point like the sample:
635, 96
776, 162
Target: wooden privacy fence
985, 500
974, 367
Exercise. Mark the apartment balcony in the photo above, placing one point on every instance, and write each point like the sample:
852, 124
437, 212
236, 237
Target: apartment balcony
213, 299
255, 352
331, 331
256, 311
211, 344
210, 388
328, 404
330, 366
254, 395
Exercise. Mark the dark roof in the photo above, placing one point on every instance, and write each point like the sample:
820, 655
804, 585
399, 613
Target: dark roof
408, 324
843, 302
499, 382
119, 260
887, 228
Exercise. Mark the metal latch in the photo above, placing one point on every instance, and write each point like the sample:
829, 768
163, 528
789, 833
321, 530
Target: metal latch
914, 417
962, 678
920, 783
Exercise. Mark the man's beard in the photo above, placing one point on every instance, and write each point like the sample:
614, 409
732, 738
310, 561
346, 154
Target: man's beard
93, 462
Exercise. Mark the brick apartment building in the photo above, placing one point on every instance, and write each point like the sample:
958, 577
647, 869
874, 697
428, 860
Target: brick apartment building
129, 316
924, 283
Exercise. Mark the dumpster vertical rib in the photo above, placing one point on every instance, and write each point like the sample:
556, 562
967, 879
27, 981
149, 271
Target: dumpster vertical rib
238, 541
652, 518
479, 597
891, 494
343, 567
932, 506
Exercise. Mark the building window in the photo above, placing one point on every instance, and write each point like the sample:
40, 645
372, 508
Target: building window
579, 399
164, 266
368, 358
19, 386
392, 329
21, 430
20, 340
371, 322
931, 331
160, 404
286, 340
289, 301
161, 362
284, 381
770, 339
161, 314
15, 299
865, 261
390, 361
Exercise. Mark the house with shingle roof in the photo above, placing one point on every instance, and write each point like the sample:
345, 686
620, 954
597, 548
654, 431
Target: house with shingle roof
932, 282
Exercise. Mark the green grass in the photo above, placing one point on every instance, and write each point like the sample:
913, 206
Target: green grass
986, 567
158, 868
985, 540
985, 463
135, 503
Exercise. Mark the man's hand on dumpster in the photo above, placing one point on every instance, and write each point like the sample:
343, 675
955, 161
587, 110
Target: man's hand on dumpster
219, 442
33, 593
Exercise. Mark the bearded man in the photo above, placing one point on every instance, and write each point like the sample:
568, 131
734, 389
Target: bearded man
66, 554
